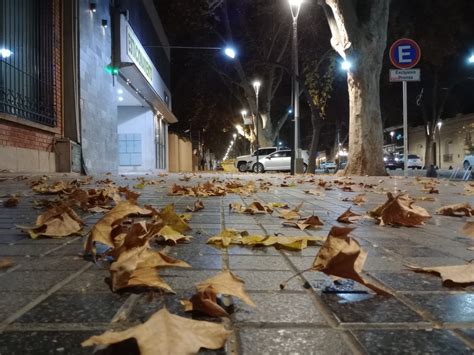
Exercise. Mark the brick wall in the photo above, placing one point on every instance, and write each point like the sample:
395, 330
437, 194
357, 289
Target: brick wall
19, 133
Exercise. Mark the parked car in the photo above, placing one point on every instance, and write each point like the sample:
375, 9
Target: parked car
392, 162
278, 161
244, 162
328, 165
414, 161
468, 161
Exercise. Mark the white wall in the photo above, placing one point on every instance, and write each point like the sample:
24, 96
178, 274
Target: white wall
139, 120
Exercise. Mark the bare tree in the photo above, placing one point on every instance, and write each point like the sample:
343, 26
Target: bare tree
359, 34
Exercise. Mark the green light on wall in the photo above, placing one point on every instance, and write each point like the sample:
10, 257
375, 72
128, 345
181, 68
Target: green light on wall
111, 70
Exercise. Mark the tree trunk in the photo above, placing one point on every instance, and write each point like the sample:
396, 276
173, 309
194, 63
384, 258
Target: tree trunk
313, 150
365, 124
429, 157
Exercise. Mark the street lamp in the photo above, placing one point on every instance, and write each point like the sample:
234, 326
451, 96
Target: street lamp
295, 7
471, 59
346, 65
5, 53
439, 124
256, 86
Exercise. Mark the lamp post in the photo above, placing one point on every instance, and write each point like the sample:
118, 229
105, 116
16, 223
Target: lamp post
295, 6
439, 124
256, 86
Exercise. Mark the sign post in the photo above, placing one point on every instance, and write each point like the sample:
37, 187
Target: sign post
405, 54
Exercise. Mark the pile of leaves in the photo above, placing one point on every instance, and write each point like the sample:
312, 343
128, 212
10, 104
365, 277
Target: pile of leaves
231, 237
214, 188
400, 210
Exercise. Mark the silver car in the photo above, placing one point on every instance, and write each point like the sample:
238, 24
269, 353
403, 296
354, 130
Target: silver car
278, 161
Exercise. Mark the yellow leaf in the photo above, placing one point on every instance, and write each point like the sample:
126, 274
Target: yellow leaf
170, 218
169, 234
451, 275
457, 210
166, 333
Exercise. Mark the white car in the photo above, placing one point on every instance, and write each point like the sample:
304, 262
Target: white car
328, 165
468, 161
414, 161
278, 161
245, 162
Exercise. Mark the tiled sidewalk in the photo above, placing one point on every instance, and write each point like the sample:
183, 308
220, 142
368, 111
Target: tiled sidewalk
52, 299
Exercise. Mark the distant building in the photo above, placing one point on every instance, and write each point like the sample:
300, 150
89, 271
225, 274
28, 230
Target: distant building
454, 140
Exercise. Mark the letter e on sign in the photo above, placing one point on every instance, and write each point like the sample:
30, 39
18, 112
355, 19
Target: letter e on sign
405, 53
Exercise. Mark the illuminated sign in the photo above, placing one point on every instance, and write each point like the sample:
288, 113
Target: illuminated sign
138, 55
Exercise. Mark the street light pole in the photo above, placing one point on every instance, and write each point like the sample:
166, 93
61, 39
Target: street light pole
256, 87
295, 6
439, 143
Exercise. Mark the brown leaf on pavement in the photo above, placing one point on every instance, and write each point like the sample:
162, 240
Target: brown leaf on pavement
254, 208
310, 222
468, 229
342, 256
44, 188
359, 200
166, 333
170, 235
11, 202
137, 267
57, 222
348, 217
291, 214
454, 275
6, 263
101, 231
225, 283
198, 205
400, 210
457, 210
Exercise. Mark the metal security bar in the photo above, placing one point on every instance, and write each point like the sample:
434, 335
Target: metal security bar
27, 85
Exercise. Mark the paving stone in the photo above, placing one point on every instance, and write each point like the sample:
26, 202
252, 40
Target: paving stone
412, 341
10, 302
31, 281
412, 281
292, 341
44, 342
75, 308
279, 307
69, 262
244, 262
367, 308
25, 249
447, 307
92, 281
268, 280
409, 251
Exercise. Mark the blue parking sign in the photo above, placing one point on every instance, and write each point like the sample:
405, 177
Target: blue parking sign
405, 53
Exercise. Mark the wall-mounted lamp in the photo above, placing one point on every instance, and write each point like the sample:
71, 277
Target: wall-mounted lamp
104, 23
92, 7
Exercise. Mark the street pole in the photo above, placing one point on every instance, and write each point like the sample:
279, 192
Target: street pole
295, 7
256, 87
405, 130
439, 145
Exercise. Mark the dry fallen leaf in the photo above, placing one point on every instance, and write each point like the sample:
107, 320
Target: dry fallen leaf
6, 263
170, 218
11, 202
101, 231
457, 210
225, 283
292, 214
198, 205
468, 229
342, 256
454, 275
400, 210
57, 222
310, 222
169, 234
166, 333
359, 199
230, 237
348, 217
254, 208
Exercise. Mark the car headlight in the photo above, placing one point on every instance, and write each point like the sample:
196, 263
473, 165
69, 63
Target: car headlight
396, 159
384, 159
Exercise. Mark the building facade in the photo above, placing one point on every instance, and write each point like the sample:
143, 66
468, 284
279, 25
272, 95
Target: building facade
84, 86
453, 141
31, 112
